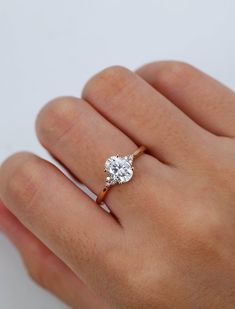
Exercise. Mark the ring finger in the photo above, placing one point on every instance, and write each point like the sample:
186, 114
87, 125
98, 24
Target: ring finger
79, 137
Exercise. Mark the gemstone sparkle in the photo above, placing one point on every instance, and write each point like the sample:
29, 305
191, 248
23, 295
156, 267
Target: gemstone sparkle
119, 169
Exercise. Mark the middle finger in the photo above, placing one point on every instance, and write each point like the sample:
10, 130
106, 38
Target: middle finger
146, 116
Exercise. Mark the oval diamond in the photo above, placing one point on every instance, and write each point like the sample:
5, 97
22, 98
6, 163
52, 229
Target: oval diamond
119, 170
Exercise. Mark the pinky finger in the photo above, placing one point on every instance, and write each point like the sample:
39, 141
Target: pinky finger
45, 268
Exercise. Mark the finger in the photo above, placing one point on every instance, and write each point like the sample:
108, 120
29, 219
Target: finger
205, 100
45, 268
144, 114
82, 139
65, 219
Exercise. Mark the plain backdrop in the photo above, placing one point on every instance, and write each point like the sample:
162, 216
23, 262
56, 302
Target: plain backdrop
50, 48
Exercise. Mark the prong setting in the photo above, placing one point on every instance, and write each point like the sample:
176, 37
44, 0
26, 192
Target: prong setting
119, 169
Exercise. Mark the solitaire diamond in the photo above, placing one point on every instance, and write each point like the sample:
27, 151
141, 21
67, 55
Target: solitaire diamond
119, 169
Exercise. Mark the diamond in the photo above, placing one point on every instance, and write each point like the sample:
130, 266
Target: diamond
119, 169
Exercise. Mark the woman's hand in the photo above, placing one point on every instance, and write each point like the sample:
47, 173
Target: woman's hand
169, 241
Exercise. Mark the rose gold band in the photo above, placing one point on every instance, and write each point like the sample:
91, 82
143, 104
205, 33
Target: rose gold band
101, 196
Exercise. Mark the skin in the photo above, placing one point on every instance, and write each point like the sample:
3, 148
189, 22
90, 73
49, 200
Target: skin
169, 241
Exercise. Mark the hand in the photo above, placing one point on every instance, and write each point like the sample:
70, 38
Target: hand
169, 241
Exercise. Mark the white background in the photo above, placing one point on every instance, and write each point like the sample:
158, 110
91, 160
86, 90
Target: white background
51, 47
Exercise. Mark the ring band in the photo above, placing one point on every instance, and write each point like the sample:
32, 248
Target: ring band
119, 170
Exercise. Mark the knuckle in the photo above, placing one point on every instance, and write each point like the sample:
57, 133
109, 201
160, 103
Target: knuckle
39, 263
36, 269
175, 73
111, 79
133, 280
212, 227
221, 171
113, 72
119, 261
203, 234
56, 118
22, 169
